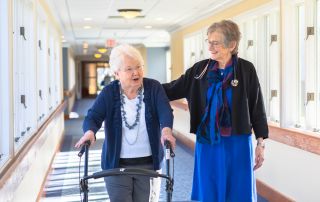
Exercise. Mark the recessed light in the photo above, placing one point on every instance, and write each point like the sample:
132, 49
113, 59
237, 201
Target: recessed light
159, 19
148, 26
102, 50
87, 27
62, 37
97, 55
87, 19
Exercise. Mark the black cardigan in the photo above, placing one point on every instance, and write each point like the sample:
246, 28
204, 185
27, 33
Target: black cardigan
247, 102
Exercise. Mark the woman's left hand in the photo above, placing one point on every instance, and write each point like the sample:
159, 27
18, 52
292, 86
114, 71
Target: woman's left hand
166, 134
259, 156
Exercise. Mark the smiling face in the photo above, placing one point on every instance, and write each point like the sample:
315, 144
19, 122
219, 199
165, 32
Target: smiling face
130, 74
218, 49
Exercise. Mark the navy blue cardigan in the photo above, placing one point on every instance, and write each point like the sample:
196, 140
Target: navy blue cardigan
158, 114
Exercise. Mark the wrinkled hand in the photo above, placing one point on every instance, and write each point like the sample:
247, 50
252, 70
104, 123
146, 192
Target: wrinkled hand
166, 134
89, 135
259, 157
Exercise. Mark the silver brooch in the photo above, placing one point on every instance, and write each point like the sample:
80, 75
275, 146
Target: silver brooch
234, 82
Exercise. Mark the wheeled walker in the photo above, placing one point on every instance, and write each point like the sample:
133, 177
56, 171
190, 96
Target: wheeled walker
126, 171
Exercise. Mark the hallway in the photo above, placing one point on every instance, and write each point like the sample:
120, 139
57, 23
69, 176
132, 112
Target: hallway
55, 53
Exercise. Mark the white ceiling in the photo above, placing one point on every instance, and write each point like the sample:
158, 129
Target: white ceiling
164, 16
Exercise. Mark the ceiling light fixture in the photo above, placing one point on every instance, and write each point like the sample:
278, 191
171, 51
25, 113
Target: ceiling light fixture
129, 13
102, 50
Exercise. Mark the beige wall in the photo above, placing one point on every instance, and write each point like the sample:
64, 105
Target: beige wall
176, 54
143, 50
177, 36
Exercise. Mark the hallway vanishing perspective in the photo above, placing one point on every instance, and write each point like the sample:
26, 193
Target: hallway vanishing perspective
55, 60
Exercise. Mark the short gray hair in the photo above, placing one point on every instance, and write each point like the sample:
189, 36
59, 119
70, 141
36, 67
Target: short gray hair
229, 30
118, 54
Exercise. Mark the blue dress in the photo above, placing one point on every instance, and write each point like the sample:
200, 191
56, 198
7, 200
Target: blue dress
223, 172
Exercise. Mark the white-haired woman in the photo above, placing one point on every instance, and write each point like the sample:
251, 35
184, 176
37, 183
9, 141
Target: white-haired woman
138, 118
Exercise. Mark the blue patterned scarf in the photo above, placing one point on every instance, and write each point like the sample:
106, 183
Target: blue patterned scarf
216, 121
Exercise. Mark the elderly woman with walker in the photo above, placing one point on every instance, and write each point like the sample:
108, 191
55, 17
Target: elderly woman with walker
138, 120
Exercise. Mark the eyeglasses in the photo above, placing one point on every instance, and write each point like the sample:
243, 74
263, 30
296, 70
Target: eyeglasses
213, 43
130, 70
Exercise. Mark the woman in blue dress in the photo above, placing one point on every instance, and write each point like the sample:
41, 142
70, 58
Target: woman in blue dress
225, 104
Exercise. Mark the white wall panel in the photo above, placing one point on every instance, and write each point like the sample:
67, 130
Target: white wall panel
260, 55
5, 84
317, 97
193, 49
289, 65
273, 66
310, 64
42, 67
24, 71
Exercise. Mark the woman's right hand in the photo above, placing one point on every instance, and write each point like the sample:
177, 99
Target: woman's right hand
167, 135
89, 135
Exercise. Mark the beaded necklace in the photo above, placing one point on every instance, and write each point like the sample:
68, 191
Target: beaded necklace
123, 113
